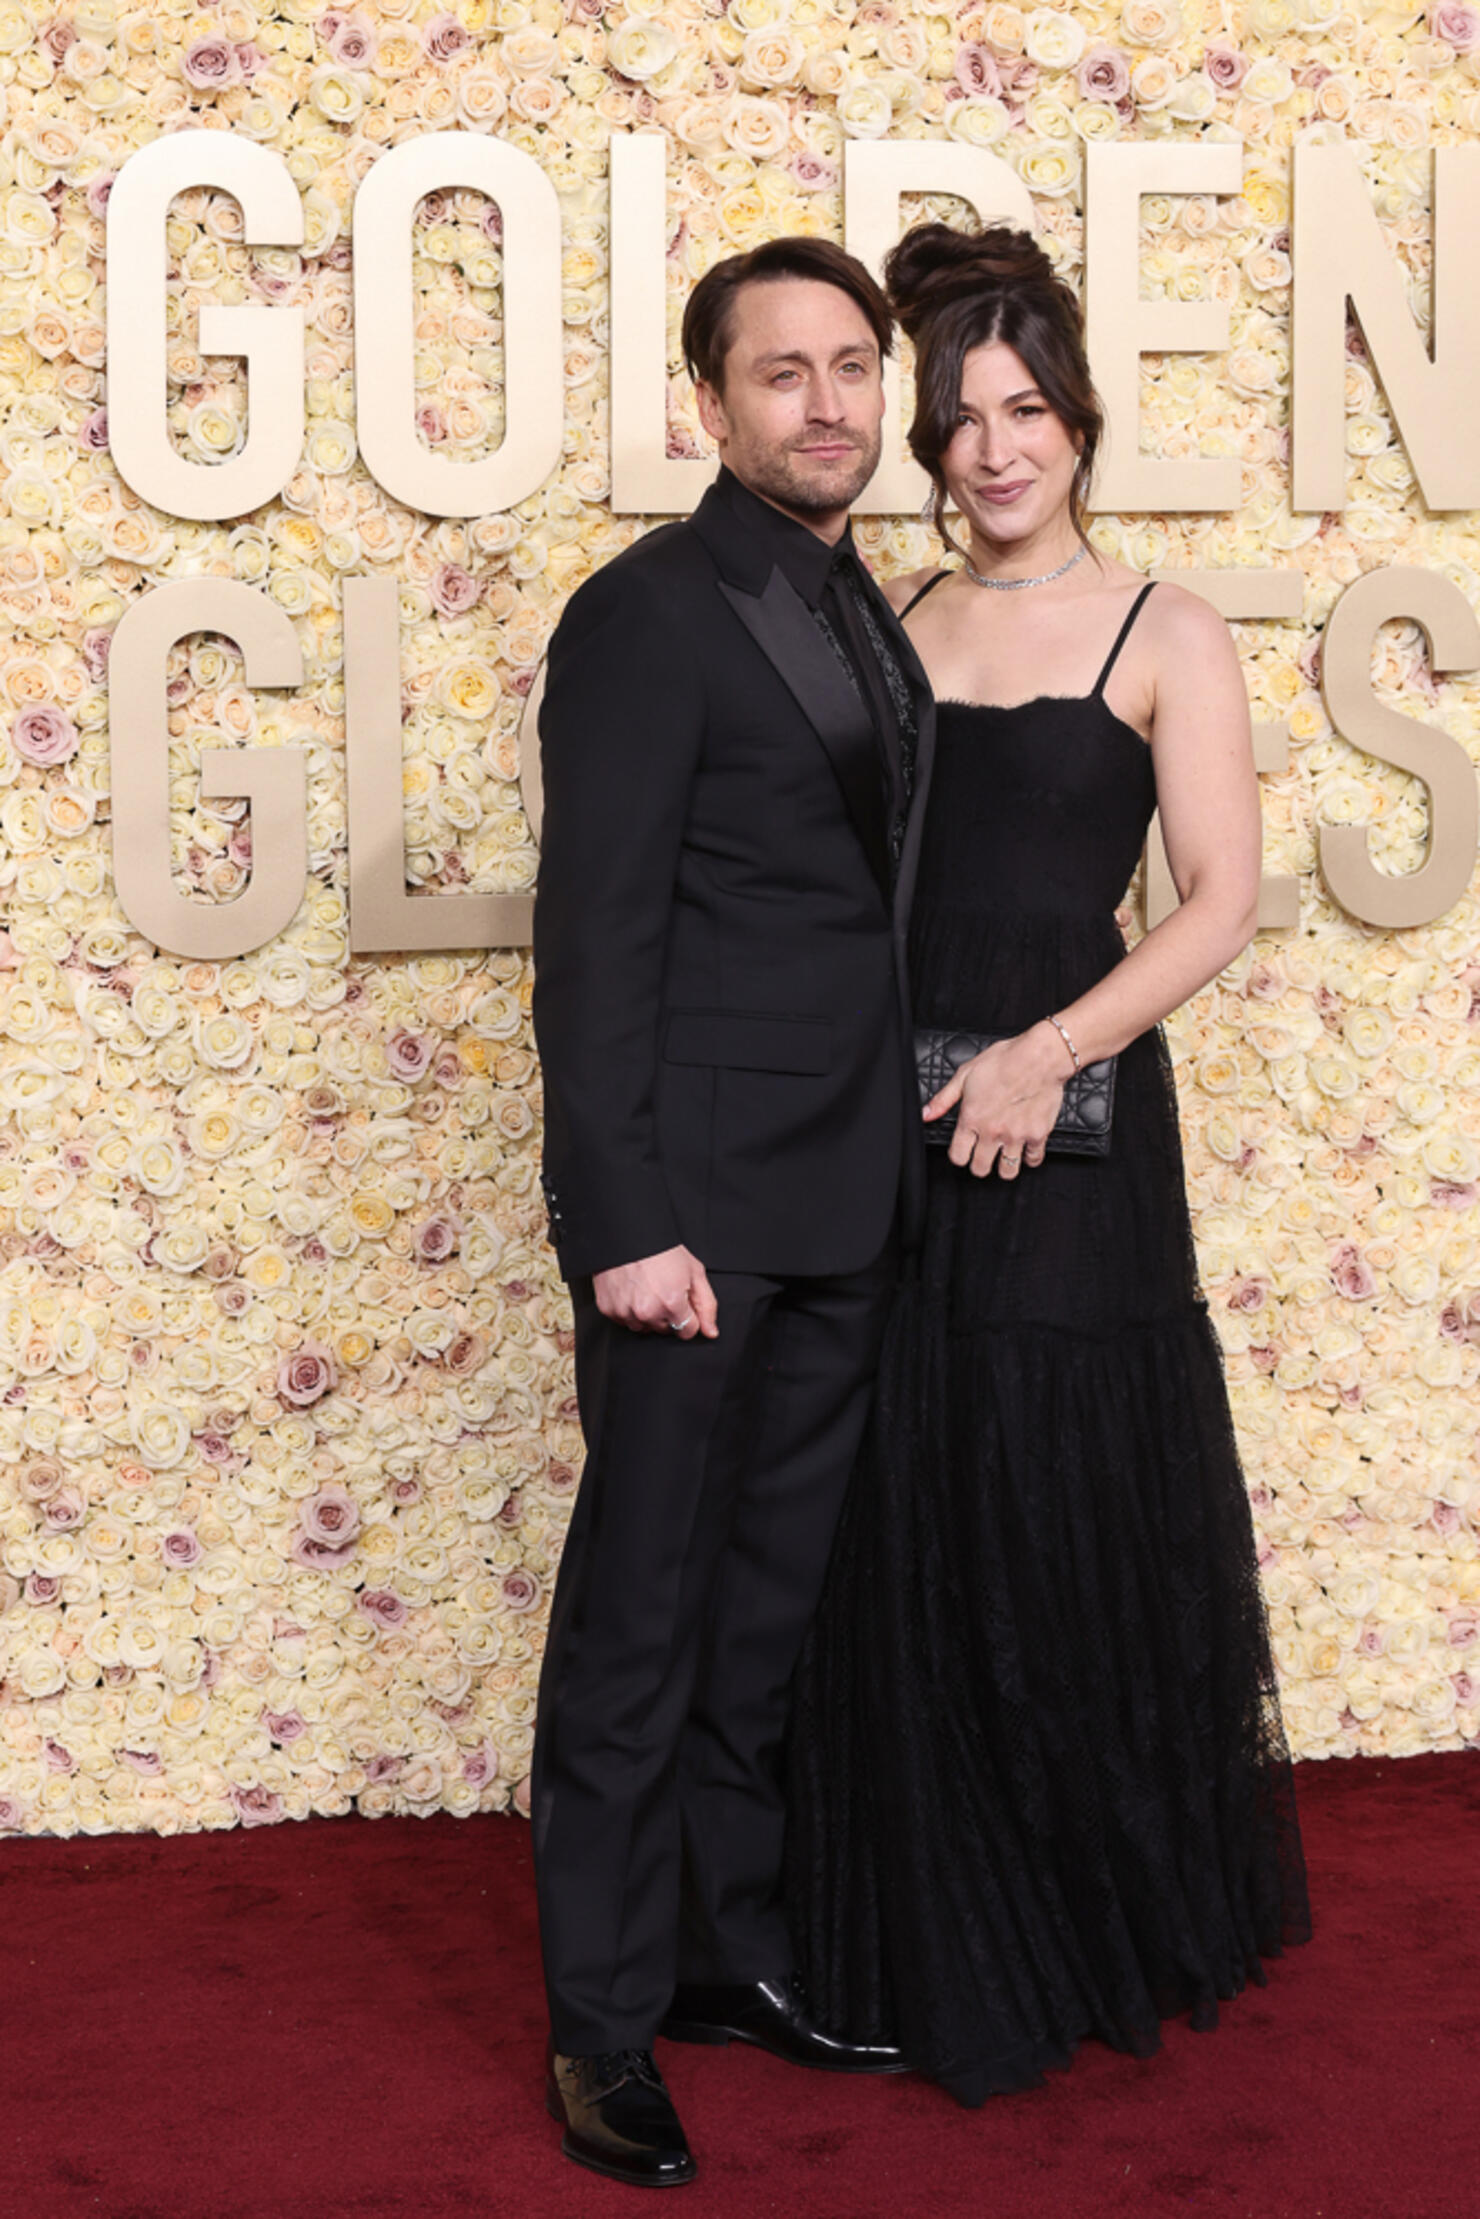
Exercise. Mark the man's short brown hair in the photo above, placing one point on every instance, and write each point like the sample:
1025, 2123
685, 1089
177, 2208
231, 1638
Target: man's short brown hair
709, 319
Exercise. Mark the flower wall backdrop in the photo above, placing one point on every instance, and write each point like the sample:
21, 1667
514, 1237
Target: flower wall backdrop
287, 1429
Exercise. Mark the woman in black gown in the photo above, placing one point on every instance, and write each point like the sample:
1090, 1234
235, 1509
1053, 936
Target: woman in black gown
1039, 1781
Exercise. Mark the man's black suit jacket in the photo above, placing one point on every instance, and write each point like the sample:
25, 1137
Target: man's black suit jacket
720, 1002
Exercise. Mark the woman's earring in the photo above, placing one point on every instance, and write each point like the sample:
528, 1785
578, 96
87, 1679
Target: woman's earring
927, 511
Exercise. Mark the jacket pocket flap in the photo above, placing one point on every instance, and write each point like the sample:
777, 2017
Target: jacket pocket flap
740, 1041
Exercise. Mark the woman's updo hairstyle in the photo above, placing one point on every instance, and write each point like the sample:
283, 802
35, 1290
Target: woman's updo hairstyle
954, 290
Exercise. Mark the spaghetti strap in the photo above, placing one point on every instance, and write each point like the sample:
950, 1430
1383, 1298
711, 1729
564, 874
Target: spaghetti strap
928, 587
1120, 638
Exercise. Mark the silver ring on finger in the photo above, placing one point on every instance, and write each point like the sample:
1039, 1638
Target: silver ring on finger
681, 1327
1012, 1161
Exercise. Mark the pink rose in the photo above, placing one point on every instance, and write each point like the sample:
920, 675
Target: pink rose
98, 192
250, 58
386, 1608
454, 591
257, 1806
95, 646
1450, 1194
1224, 68
384, 1768
1104, 74
521, 1590
437, 1240
181, 1549
1457, 25
42, 1588
480, 1766
40, 1481
12, 1815
331, 1515
285, 1725
44, 735
56, 38
147, 1761
431, 424
443, 37
814, 173
210, 63
464, 1355
58, 1758
976, 72
1350, 1275
1464, 1687
1248, 1293
92, 437
351, 42
306, 1375
65, 1509
1463, 1630
409, 1056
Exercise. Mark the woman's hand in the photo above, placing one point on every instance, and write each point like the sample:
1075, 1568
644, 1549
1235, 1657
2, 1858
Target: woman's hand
1007, 1101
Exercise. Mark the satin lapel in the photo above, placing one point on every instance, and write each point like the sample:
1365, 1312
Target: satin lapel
919, 684
781, 625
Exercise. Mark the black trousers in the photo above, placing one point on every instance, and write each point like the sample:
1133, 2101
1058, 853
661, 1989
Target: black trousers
715, 1472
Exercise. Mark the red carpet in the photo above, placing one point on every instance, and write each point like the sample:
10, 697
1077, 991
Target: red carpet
343, 2020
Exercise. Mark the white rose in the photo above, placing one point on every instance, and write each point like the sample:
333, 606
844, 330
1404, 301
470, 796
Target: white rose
865, 112
161, 1436
1052, 40
977, 122
641, 47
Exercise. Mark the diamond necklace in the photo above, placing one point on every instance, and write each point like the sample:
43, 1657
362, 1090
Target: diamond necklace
1016, 585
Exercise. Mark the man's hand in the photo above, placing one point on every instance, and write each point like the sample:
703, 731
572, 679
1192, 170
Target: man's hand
669, 1293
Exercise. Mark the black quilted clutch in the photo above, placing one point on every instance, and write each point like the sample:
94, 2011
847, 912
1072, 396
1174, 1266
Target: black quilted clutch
1083, 1128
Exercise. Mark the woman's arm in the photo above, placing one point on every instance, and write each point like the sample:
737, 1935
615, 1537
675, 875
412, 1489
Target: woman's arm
1209, 802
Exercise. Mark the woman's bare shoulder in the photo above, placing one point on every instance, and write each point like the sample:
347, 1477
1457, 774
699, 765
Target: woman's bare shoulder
1182, 622
900, 592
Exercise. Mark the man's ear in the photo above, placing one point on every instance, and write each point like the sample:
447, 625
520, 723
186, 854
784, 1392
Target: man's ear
712, 411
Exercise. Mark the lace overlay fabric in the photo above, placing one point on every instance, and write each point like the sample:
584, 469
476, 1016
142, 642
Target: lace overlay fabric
1039, 1782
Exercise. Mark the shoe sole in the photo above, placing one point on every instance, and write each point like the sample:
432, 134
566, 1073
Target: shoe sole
720, 2037
556, 2110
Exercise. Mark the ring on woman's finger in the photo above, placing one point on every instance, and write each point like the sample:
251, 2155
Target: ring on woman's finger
1009, 1163
682, 1325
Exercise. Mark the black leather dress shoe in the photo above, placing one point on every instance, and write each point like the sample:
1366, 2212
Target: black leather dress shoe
618, 2117
774, 2015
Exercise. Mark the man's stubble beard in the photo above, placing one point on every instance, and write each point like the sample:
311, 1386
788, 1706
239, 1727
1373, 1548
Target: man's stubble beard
769, 472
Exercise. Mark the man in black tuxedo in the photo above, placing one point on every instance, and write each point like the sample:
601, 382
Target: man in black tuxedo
736, 741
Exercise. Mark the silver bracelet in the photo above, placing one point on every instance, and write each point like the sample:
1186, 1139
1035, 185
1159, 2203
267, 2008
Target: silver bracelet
1068, 1043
